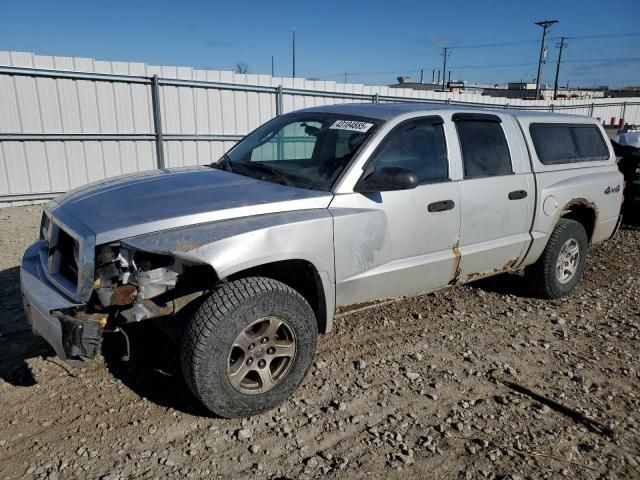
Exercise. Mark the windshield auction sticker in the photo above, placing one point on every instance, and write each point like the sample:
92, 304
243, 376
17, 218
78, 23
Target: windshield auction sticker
352, 125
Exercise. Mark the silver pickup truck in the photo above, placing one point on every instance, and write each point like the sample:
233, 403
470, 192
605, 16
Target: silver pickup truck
318, 209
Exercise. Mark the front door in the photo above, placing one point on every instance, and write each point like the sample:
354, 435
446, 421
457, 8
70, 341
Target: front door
396, 243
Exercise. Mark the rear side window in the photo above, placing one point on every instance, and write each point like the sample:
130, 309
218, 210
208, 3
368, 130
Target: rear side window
485, 151
564, 143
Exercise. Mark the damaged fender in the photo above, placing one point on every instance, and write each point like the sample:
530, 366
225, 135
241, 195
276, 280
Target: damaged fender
232, 246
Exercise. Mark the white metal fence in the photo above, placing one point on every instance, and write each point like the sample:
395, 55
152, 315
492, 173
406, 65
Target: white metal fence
65, 121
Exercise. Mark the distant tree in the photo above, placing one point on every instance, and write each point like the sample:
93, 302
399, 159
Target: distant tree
241, 67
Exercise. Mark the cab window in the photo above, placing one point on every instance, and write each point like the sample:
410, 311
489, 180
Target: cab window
418, 145
485, 152
565, 143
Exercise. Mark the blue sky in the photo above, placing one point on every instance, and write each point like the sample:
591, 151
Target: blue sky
373, 41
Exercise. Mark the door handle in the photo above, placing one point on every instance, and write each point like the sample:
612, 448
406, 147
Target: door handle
517, 194
441, 206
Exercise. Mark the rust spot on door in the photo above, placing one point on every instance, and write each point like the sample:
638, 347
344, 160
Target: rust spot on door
510, 265
455, 277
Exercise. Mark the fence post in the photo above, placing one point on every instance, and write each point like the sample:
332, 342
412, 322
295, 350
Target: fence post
552, 108
506, 106
279, 109
279, 104
376, 99
157, 121
591, 107
624, 110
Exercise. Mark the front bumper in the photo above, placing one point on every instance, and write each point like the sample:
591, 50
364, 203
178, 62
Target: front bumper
40, 299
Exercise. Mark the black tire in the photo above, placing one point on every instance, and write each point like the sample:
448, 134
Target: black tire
542, 275
211, 332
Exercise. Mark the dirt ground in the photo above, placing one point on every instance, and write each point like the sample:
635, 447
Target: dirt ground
426, 387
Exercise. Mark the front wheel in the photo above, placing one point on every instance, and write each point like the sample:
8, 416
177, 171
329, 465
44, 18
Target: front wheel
561, 265
249, 346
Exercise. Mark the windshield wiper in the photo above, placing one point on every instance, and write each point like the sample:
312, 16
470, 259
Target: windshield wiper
223, 164
269, 170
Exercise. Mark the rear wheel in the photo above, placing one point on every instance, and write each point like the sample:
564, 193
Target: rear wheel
561, 265
249, 346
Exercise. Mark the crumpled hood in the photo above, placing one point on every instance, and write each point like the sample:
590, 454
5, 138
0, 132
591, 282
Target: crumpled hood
163, 199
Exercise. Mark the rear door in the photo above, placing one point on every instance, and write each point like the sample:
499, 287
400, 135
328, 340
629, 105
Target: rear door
497, 194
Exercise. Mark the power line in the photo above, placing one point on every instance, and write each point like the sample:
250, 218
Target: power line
532, 41
498, 44
609, 59
352, 74
492, 45
504, 65
483, 66
528, 42
603, 35
577, 60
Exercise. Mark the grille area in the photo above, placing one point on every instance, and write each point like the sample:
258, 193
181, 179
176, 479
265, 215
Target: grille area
62, 256
67, 248
67, 255
45, 223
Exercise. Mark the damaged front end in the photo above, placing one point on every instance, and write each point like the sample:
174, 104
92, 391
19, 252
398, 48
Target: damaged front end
129, 286
125, 279
81, 337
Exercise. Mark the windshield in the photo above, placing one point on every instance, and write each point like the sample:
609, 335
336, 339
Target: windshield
305, 150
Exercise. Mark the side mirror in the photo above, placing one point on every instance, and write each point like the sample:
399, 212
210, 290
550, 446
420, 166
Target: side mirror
387, 179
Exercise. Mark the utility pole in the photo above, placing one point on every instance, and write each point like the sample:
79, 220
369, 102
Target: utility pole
345, 77
545, 24
444, 54
272, 66
555, 84
293, 54
421, 75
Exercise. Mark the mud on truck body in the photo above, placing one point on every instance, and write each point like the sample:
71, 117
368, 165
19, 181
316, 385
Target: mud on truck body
315, 210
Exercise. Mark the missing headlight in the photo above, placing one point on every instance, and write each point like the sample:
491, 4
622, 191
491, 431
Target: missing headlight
123, 275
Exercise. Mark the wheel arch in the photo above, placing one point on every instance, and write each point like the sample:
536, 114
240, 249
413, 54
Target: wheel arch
582, 211
301, 275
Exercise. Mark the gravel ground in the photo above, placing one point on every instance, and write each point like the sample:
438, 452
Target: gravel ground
428, 387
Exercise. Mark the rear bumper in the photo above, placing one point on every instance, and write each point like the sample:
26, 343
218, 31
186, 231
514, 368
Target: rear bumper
618, 223
632, 194
40, 299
